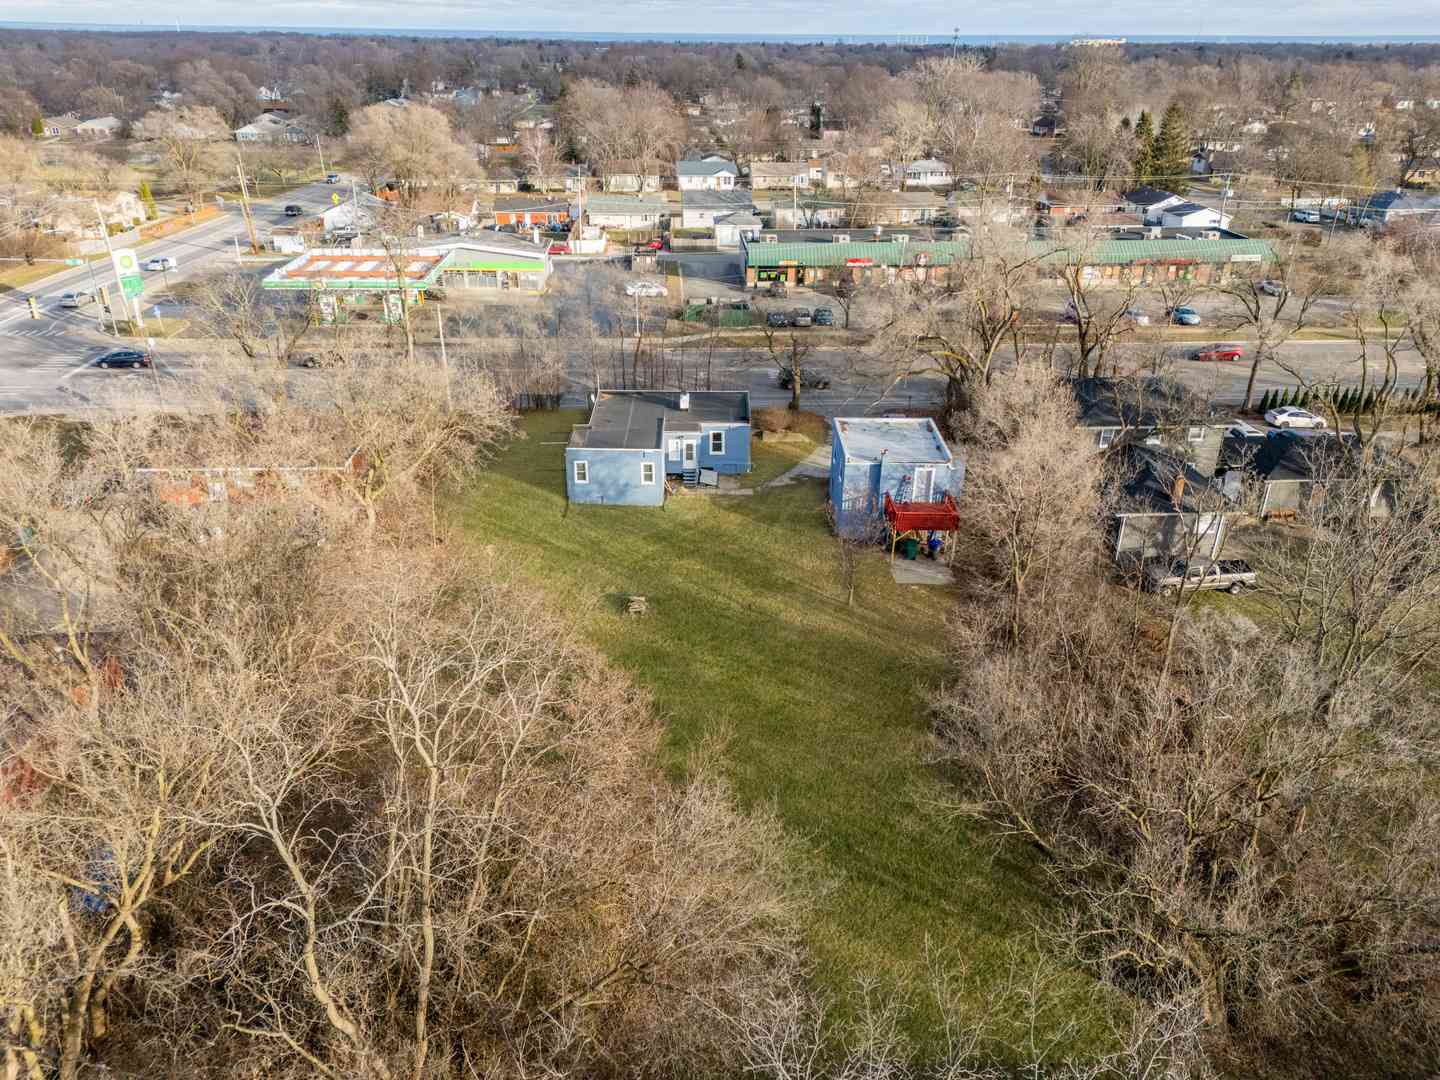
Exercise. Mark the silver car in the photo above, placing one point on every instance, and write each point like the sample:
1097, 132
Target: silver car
77, 299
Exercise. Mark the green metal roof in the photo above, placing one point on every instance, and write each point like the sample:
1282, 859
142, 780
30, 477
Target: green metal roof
943, 252
1126, 252
881, 253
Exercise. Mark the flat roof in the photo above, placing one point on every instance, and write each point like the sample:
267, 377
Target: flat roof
900, 438
348, 267
638, 419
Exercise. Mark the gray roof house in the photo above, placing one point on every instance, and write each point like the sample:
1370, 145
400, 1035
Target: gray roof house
707, 174
1148, 202
699, 209
1165, 507
1294, 469
636, 438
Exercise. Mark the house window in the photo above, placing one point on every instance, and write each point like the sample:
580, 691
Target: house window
582, 472
717, 442
1107, 436
647, 472
1195, 434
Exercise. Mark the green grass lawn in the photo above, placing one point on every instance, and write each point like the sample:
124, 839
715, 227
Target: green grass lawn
748, 634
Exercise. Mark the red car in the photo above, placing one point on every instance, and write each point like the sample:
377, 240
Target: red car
1219, 352
559, 249
658, 244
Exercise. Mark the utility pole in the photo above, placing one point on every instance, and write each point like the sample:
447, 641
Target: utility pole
444, 360
322, 155
99, 304
245, 206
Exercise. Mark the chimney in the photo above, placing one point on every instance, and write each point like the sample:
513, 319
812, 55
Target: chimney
684, 402
1177, 491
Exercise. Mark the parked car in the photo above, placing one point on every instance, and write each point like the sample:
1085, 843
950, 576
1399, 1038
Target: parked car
559, 249
810, 379
1184, 316
332, 178
655, 244
645, 288
1292, 416
777, 318
800, 317
1072, 313
1138, 317
824, 316
294, 210
1216, 353
79, 298
777, 288
1306, 217
1272, 288
1240, 429
127, 358
1232, 575
329, 358
160, 262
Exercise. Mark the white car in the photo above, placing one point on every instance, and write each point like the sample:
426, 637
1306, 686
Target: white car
1306, 217
1292, 416
1240, 429
1271, 288
160, 262
76, 299
645, 288
1138, 317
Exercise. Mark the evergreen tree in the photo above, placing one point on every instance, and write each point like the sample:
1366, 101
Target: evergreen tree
1172, 150
739, 61
1144, 163
339, 117
37, 126
1265, 405
148, 199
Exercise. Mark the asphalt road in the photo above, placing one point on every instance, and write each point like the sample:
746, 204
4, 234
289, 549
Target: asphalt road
45, 364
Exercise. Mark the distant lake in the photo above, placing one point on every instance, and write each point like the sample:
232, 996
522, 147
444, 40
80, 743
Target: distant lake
794, 39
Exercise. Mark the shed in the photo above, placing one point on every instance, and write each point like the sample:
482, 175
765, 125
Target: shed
636, 438
903, 457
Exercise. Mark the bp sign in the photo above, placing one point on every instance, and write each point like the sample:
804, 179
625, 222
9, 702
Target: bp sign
127, 269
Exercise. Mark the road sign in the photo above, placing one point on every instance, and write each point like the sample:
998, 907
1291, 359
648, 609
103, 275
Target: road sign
127, 269
335, 198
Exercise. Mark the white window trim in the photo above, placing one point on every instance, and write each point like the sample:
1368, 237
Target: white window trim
713, 436
578, 468
1195, 433
1107, 436
647, 465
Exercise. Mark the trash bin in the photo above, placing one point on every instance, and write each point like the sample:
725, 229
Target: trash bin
909, 548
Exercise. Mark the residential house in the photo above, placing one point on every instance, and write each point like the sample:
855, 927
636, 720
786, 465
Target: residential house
577, 177
1388, 207
60, 127
1065, 206
897, 208
636, 438
642, 212
807, 212
769, 175
731, 228
101, 127
710, 173
928, 173
1295, 469
1148, 202
903, 457
354, 215
270, 128
75, 217
699, 209
1045, 126
1164, 449
1166, 507
501, 180
1189, 215
632, 176
528, 210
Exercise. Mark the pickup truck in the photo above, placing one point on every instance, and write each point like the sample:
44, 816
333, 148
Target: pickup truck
1232, 575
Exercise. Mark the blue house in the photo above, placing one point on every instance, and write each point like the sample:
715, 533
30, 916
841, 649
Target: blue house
903, 457
636, 438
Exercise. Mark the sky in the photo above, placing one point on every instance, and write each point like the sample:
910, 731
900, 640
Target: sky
1232, 18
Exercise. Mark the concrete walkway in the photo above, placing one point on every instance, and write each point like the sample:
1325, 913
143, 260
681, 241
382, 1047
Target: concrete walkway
816, 466
921, 572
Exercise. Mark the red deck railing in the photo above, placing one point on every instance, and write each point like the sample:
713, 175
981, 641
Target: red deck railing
942, 516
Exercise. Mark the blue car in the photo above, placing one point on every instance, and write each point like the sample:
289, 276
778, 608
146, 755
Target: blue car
1185, 316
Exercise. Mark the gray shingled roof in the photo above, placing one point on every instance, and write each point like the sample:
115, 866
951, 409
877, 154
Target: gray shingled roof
638, 419
705, 168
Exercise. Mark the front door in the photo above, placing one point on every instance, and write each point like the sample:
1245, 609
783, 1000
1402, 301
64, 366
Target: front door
923, 486
689, 457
